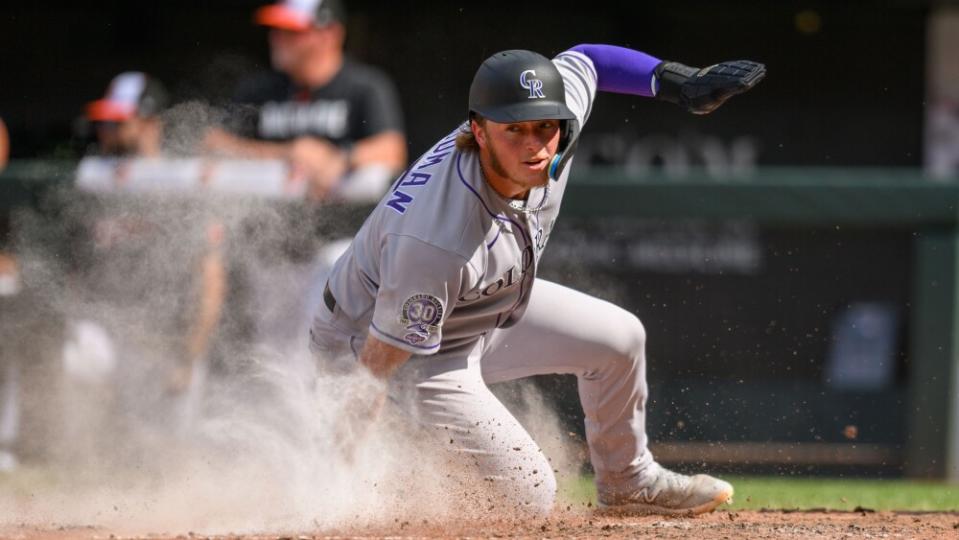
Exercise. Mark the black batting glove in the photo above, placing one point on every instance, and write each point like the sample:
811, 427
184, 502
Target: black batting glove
701, 91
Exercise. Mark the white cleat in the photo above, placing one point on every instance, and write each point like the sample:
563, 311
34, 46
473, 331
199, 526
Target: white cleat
669, 493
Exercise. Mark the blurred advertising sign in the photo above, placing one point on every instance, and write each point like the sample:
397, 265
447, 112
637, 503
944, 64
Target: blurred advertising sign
674, 155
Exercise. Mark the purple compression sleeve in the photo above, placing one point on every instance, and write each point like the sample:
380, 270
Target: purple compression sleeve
621, 70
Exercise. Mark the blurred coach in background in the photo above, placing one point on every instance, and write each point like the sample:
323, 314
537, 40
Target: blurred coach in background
335, 120
338, 124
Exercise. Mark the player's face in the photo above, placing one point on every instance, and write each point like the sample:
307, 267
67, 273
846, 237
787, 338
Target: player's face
125, 138
521, 152
112, 138
289, 49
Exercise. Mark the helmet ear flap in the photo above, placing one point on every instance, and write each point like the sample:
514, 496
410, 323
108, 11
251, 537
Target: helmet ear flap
567, 144
564, 133
554, 165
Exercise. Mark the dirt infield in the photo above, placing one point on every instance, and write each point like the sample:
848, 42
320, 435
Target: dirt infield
721, 524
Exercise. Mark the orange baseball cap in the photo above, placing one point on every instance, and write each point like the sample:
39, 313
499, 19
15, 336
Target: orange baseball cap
300, 15
132, 93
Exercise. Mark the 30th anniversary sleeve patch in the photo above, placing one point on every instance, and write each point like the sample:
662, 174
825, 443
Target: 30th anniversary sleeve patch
421, 314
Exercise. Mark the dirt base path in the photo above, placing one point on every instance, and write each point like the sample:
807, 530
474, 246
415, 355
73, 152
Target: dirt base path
722, 524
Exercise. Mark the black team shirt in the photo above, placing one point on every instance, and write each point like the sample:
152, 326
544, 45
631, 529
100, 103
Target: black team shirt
360, 101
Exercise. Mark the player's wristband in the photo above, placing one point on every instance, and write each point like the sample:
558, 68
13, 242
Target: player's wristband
670, 77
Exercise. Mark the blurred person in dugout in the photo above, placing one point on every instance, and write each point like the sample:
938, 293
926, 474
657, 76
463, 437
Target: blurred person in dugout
126, 121
336, 122
30, 336
11, 363
21, 315
333, 119
9, 366
151, 270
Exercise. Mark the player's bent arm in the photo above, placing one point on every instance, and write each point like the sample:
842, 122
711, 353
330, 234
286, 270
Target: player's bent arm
221, 142
700, 91
381, 358
386, 148
349, 173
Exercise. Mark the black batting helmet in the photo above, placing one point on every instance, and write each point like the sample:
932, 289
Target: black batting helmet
518, 86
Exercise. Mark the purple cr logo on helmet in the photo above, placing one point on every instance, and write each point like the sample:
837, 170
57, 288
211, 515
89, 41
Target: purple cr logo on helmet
535, 86
540, 94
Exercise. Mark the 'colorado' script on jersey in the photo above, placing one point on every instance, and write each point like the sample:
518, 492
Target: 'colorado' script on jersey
416, 176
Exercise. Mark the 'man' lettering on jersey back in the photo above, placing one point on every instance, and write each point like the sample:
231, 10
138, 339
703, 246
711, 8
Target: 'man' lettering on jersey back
417, 176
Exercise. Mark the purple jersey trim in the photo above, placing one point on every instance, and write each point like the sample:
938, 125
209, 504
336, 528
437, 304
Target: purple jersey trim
621, 70
525, 235
459, 171
545, 194
403, 341
495, 238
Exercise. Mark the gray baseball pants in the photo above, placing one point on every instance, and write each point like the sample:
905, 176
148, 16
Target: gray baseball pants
562, 332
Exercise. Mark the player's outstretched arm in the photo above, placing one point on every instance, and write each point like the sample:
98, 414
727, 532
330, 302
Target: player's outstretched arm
700, 91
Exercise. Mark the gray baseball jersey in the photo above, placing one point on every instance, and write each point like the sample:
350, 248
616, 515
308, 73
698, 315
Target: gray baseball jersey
443, 258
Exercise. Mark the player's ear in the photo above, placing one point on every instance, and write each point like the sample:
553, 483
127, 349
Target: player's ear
478, 132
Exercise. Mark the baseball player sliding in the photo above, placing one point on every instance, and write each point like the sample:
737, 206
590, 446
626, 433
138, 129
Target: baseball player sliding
438, 291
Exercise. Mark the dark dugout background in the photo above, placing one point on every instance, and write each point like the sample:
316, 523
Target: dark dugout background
736, 353
857, 70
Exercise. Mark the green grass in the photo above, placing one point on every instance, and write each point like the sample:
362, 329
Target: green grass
26, 480
753, 493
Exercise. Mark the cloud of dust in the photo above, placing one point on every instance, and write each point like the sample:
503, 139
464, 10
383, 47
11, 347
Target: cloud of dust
251, 445
255, 443
534, 409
